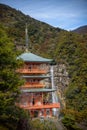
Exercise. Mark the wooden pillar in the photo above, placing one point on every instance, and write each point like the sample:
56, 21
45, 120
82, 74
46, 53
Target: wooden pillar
39, 113
42, 98
50, 112
31, 113
45, 113
32, 99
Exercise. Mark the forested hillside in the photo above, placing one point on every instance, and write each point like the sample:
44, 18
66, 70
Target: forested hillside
41, 35
65, 47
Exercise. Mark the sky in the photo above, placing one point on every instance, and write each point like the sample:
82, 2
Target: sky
65, 14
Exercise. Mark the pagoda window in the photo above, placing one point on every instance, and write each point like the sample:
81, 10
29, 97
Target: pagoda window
36, 81
42, 81
25, 66
35, 94
27, 80
30, 67
33, 101
42, 111
31, 81
48, 111
35, 66
41, 66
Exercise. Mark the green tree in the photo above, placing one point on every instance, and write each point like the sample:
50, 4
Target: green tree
9, 79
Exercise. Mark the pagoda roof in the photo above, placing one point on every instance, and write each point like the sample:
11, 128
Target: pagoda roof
38, 90
30, 57
36, 76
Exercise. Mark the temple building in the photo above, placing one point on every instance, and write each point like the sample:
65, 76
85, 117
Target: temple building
36, 93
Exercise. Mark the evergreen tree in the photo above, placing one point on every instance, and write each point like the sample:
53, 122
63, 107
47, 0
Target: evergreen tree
9, 79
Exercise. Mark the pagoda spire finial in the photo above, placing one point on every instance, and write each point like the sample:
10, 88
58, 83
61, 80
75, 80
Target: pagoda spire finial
26, 37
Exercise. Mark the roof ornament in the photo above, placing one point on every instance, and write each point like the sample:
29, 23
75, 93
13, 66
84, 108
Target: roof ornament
26, 38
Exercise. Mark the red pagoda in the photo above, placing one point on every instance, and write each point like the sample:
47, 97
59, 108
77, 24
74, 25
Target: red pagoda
37, 92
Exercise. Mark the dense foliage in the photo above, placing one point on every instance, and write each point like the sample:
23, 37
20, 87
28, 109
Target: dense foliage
72, 50
40, 34
65, 47
9, 83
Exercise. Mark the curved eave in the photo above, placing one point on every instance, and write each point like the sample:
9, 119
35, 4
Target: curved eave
41, 77
30, 57
37, 90
31, 61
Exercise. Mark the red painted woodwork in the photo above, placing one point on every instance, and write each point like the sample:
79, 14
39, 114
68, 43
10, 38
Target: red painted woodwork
34, 102
31, 71
40, 106
33, 85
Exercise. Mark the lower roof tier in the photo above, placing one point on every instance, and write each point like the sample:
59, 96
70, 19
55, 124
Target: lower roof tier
36, 76
37, 90
36, 107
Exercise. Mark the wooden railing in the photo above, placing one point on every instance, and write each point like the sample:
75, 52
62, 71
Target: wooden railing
33, 85
32, 71
41, 106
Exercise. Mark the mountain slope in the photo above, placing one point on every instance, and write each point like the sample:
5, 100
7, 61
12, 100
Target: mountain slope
81, 30
41, 35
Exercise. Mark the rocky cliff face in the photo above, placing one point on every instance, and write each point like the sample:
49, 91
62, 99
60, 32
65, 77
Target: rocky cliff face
61, 80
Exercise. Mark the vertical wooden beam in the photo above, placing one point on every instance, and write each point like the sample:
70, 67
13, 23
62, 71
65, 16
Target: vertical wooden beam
42, 97
45, 114
50, 112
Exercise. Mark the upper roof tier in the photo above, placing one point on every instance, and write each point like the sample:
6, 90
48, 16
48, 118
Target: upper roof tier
30, 57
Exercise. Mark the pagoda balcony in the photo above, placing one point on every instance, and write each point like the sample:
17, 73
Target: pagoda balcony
40, 106
33, 85
32, 71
